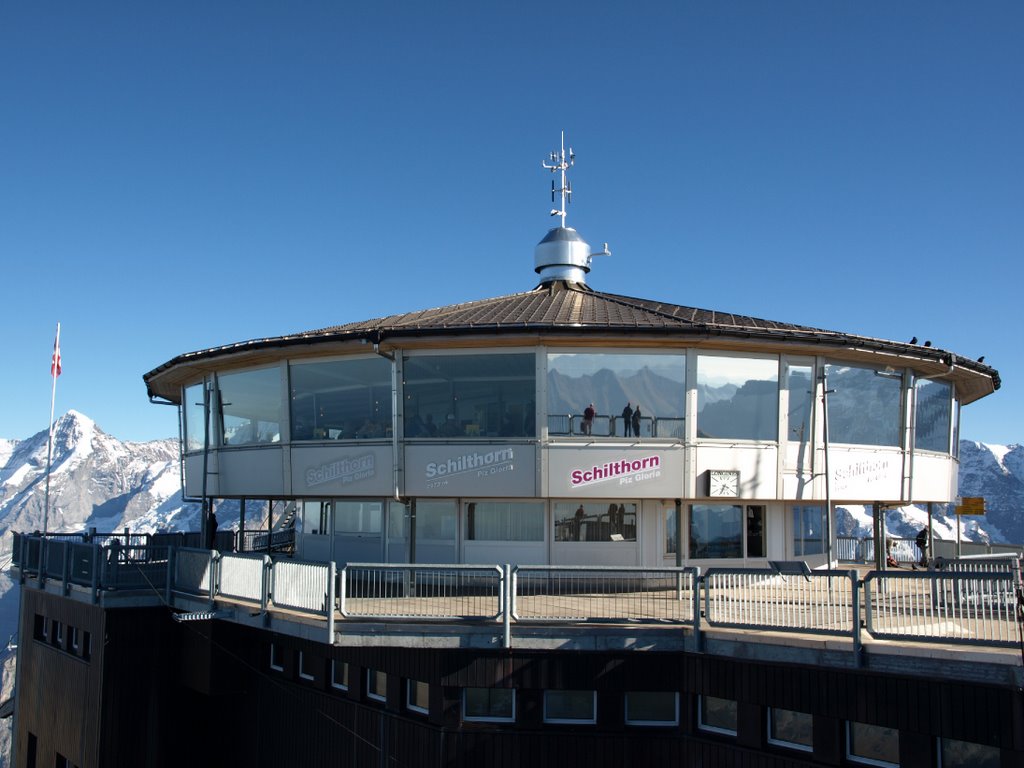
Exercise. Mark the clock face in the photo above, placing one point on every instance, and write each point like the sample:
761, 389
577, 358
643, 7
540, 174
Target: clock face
723, 482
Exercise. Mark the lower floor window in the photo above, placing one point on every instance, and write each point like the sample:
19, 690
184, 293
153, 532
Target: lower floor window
593, 521
570, 706
652, 708
717, 715
966, 754
339, 674
716, 531
376, 685
417, 697
489, 704
790, 729
872, 744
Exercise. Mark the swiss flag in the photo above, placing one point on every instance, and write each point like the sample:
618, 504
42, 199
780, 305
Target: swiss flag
55, 361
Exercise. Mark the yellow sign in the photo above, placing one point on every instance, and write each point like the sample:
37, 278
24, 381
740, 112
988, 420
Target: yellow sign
971, 505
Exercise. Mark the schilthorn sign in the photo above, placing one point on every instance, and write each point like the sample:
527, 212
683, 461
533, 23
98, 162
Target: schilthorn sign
344, 470
481, 464
622, 472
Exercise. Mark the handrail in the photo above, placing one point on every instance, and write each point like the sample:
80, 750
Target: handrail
972, 601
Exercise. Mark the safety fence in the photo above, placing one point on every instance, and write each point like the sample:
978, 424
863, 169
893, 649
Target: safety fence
971, 601
850, 549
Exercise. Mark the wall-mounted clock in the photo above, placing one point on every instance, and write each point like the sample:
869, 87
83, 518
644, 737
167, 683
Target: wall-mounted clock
723, 483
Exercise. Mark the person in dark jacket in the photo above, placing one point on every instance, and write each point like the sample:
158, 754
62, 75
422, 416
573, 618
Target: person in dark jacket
636, 421
922, 544
627, 421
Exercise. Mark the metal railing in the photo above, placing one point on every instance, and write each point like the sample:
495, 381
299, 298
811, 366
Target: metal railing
422, 591
974, 600
541, 593
820, 602
567, 424
979, 608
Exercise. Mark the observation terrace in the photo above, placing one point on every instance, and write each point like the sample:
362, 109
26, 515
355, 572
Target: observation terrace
961, 618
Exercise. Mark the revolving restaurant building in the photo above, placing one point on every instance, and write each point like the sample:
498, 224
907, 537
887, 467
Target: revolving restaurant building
567, 426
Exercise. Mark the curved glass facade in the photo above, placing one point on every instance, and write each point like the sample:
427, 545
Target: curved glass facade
341, 399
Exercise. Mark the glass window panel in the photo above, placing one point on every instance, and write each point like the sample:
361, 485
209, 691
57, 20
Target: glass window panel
671, 535
316, 517
489, 704
956, 429
376, 684
504, 521
717, 714
790, 729
808, 530
470, 396
716, 530
615, 383
250, 406
570, 706
435, 520
418, 696
966, 754
737, 398
652, 707
192, 404
755, 531
873, 744
593, 521
357, 516
800, 385
339, 674
341, 399
934, 412
863, 405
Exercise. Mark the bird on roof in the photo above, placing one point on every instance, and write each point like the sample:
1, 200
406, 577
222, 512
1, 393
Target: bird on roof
913, 340
981, 359
927, 343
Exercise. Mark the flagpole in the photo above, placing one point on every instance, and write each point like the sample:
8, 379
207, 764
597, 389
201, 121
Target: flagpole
54, 373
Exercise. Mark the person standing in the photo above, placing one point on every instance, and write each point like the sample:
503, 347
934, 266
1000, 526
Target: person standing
922, 544
588, 418
627, 420
636, 421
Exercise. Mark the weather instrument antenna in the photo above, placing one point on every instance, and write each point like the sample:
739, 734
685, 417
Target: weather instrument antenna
559, 162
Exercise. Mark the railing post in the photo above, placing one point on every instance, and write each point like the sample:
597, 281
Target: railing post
698, 584
858, 646
331, 571
507, 596
214, 568
97, 564
265, 583
344, 590
169, 588
66, 569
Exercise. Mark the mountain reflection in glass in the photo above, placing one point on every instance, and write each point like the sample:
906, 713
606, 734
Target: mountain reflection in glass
863, 405
737, 397
655, 383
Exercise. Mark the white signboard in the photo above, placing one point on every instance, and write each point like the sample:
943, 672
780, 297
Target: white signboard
617, 473
471, 470
352, 470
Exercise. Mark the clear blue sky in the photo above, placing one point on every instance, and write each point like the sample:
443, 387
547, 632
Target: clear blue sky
175, 176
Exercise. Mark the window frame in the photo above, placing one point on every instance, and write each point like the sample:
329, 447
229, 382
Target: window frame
488, 718
410, 684
371, 680
708, 728
301, 667
651, 723
782, 742
571, 721
276, 657
343, 686
860, 760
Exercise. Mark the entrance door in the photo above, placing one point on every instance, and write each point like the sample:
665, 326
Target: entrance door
357, 532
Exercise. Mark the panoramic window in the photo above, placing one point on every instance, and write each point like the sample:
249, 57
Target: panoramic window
790, 729
652, 708
505, 521
965, 754
808, 530
800, 386
449, 396
570, 706
617, 385
341, 399
934, 412
872, 744
489, 704
716, 530
192, 405
737, 398
593, 521
717, 715
863, 405
250, 406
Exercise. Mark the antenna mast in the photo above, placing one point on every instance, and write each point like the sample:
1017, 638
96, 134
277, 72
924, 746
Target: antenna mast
558, 162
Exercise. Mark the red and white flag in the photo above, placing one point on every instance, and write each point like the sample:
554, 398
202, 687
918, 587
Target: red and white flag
55, 361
